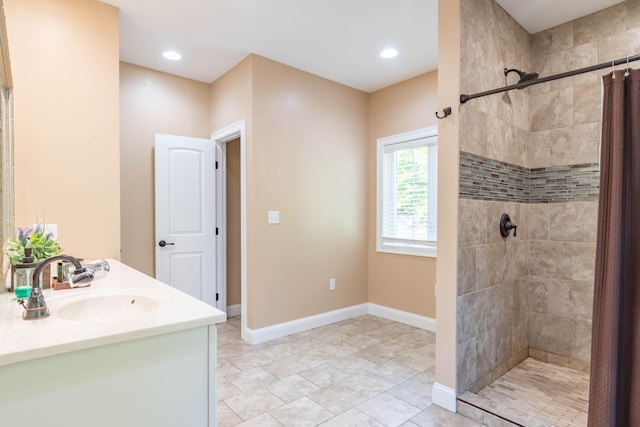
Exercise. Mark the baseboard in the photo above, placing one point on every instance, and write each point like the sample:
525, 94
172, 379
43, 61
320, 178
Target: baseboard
444, 396
257, 336
400, 316
233, 310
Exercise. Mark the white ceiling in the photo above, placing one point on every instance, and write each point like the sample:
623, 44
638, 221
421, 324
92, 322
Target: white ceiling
336, 39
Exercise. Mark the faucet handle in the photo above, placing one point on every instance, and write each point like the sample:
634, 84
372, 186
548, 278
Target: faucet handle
80, 278
506, 226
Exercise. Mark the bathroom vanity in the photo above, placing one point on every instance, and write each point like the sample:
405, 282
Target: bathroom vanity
126, 351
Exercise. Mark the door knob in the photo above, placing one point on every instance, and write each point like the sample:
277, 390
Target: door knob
162, 243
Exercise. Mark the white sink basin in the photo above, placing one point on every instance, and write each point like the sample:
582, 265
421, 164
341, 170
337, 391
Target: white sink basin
100, 308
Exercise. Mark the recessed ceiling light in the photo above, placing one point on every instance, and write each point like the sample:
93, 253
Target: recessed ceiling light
389, 53
172, 55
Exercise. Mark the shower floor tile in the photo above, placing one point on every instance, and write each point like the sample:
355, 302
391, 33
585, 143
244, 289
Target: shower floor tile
551, 394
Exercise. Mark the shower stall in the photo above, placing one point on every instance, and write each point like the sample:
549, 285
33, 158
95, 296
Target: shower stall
524, 306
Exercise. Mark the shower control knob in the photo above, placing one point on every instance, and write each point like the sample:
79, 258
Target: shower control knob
162, 243
506, 226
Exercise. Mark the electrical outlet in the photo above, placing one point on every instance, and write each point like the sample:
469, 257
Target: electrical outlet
332, 284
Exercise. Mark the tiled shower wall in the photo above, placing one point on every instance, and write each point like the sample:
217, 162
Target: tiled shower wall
540, 282
492, 292
565, 129
562, 248
494, 131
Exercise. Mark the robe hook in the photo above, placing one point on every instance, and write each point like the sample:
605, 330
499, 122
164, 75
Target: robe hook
446, 111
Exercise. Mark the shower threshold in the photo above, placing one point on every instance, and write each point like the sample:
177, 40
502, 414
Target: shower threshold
533, 394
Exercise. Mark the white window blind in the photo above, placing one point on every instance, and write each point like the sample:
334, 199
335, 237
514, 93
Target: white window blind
407, 193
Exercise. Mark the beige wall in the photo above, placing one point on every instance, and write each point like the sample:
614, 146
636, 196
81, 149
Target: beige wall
307, 156
300, 107
151, 102
233, 222
230, 102
64, 58
448, 185
400, 281
231, 98
308, 161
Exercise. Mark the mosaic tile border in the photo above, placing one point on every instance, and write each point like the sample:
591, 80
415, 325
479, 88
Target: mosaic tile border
487, 179
566, 183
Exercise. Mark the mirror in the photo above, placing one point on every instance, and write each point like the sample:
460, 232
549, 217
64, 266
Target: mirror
6, 139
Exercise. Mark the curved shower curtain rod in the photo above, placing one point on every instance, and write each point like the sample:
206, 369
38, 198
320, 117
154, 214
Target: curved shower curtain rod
465, 98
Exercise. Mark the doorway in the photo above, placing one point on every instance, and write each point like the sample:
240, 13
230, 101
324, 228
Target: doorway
231, 215
232, 189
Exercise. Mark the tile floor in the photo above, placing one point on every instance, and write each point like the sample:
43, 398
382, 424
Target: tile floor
537, 393
365, 371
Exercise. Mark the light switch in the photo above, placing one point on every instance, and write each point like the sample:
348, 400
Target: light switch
273, 217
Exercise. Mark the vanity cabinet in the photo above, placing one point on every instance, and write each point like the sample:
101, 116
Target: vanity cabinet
156, 370
161, 381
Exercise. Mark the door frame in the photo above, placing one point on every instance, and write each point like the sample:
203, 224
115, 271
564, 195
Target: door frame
220, 138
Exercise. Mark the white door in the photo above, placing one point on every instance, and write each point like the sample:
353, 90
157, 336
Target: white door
185, 215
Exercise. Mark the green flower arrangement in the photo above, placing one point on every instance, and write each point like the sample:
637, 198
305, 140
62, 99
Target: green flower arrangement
43, 244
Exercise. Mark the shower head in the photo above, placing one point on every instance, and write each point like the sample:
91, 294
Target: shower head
524, 77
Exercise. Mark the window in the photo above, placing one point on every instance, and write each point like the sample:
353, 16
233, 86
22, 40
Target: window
407, 193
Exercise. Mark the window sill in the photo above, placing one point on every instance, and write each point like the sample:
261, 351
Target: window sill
428, 251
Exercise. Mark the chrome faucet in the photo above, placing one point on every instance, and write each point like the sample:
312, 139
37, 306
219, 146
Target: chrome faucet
36, 307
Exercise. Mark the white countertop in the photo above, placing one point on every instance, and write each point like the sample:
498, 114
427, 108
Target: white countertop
22, 340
